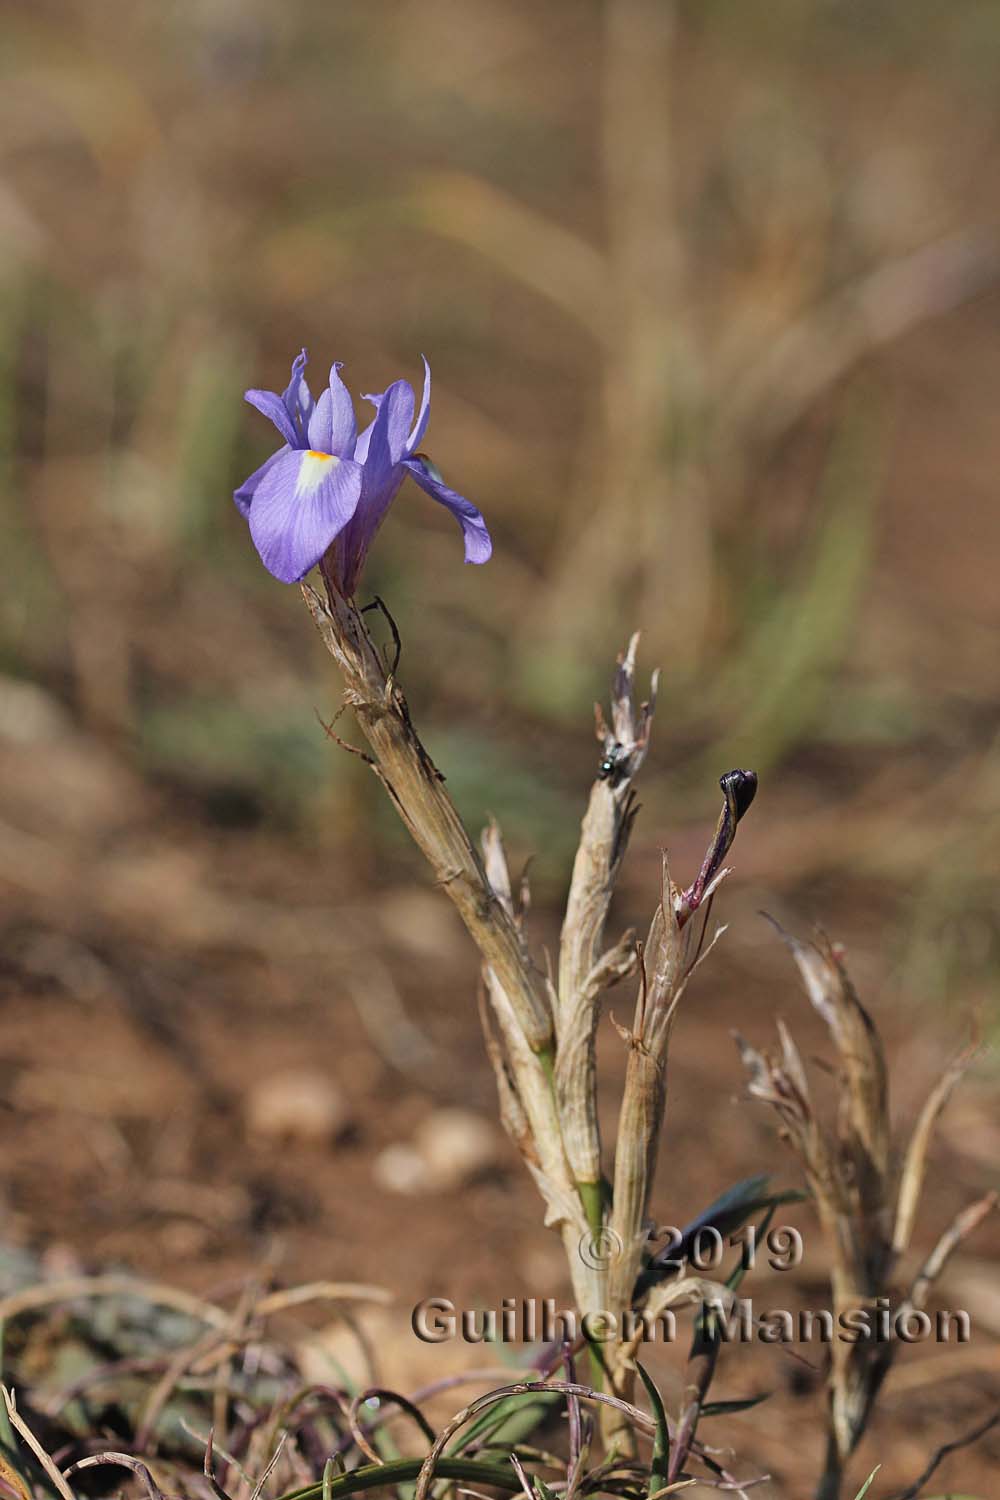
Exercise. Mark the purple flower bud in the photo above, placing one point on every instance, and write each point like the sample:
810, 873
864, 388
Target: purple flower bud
739, 789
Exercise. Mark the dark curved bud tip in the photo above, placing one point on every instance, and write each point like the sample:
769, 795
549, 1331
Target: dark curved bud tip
739, 789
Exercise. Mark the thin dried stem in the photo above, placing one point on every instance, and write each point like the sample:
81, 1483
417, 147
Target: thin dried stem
21, 1427
980, 1430
959, 1229
153, 1292
911, 1179
417, 791
125, 1461
269, 1468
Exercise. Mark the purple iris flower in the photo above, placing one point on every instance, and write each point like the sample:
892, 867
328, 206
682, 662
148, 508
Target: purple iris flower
329, 487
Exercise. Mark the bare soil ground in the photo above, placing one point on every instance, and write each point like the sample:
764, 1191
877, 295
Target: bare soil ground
191, 967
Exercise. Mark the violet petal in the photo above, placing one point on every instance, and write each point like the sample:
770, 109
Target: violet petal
247, 489
298, 397
478, 546
303, 502
420, 427
273, 407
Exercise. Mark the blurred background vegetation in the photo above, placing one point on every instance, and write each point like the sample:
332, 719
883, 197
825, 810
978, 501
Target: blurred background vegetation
710, 295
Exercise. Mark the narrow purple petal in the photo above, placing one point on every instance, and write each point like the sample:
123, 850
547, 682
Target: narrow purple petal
417, 435
344, 427
273, 407
332, 428
298, 397
395, 408
378, 458
303, 502
320, 427
379, 486
364, 438
247, 489
478, 547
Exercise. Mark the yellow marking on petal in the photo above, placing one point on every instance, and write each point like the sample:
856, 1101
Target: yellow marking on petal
312, 471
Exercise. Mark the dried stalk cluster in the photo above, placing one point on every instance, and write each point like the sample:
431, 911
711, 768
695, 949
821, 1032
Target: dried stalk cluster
541, 1027
866, 1208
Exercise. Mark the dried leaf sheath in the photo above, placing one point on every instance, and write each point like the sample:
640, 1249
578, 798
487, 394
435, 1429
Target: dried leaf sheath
644, 1098
409, 776
864, 1123
584, 973
529, 1106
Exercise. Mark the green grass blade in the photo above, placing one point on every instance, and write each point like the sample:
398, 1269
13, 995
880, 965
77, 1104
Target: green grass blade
403, 1470
862, 1492
724, 1408
660, 1462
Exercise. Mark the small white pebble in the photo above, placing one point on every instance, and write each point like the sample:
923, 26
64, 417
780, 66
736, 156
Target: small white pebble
400, 1169
300, 1104
456, 1145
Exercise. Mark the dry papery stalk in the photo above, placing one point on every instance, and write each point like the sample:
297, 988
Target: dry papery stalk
541, 1027
866, 1208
